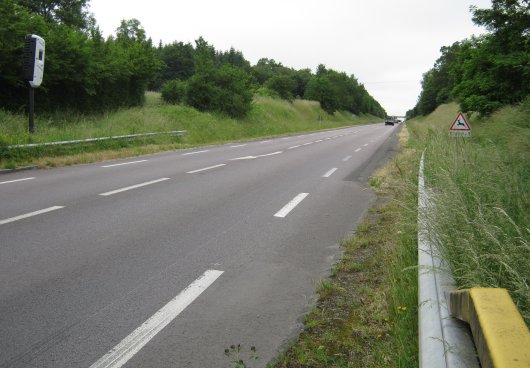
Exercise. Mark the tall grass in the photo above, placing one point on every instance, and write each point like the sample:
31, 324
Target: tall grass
268, 117
481, 191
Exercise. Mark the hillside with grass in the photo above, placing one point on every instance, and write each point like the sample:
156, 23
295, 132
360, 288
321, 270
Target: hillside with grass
268, 117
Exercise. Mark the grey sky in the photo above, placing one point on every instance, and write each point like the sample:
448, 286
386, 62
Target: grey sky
386, 44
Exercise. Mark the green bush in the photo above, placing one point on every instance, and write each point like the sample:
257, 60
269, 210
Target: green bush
173, 91
283, 85
265, 92
226, 89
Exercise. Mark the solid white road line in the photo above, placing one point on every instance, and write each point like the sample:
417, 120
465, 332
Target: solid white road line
125, 163
133, 343
31, 214
133, 187
358, 149
291, 205
239, 145
329, 173
204, 169
346, 158
194, 153
14, 181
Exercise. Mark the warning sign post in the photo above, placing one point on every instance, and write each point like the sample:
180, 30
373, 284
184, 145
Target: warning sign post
460, 127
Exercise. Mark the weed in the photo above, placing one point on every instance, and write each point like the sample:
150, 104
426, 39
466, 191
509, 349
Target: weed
235, 354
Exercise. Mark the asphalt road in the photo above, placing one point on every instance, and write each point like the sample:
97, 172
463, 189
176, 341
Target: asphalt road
166, 260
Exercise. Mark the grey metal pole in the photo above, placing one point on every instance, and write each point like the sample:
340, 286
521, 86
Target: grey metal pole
31, 109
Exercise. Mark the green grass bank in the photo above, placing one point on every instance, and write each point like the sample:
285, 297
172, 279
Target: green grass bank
268, 117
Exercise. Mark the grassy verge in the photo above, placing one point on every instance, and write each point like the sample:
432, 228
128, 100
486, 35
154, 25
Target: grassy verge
366, 314
481, 190
268, 117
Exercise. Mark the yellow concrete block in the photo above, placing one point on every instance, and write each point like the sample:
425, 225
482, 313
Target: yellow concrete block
499, 331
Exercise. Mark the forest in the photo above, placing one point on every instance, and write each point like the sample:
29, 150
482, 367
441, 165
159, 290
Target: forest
88, 73
486, 72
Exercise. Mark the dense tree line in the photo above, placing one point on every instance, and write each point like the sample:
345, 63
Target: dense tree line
334, 90
483, 73
85, 72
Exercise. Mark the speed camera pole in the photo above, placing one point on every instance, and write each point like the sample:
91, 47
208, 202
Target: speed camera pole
33, 70
31, 109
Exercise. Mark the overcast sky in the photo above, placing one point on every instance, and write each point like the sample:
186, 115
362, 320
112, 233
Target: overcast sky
386, 44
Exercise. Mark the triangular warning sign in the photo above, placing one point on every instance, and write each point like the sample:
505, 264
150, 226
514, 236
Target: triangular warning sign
460, 123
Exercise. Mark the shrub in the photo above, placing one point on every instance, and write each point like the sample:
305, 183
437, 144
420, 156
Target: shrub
283, 85
173, 91
226, 89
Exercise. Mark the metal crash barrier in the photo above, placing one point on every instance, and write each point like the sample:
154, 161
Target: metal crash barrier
496, 334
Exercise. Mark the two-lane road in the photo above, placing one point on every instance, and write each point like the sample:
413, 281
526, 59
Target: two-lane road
166, 260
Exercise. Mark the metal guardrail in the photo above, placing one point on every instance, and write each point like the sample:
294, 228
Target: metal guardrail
88, 140
444, 342
496, 335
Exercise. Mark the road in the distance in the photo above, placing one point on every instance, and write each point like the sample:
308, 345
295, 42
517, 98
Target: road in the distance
166, 260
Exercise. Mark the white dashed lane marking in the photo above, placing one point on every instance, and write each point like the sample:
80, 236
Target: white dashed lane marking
30, 214
205, 168
15, 181
133, 187
125, 163
329, 173
291, 205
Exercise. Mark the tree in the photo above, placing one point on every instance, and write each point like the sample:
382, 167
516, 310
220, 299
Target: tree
508, 20
139, 57
178, 63
83, 71
267, 68
68, 12
15, 23
338, 91
204, 55
226, 89
130, 30
302, 77
283, 85
234, 58
487, 72
320, 89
